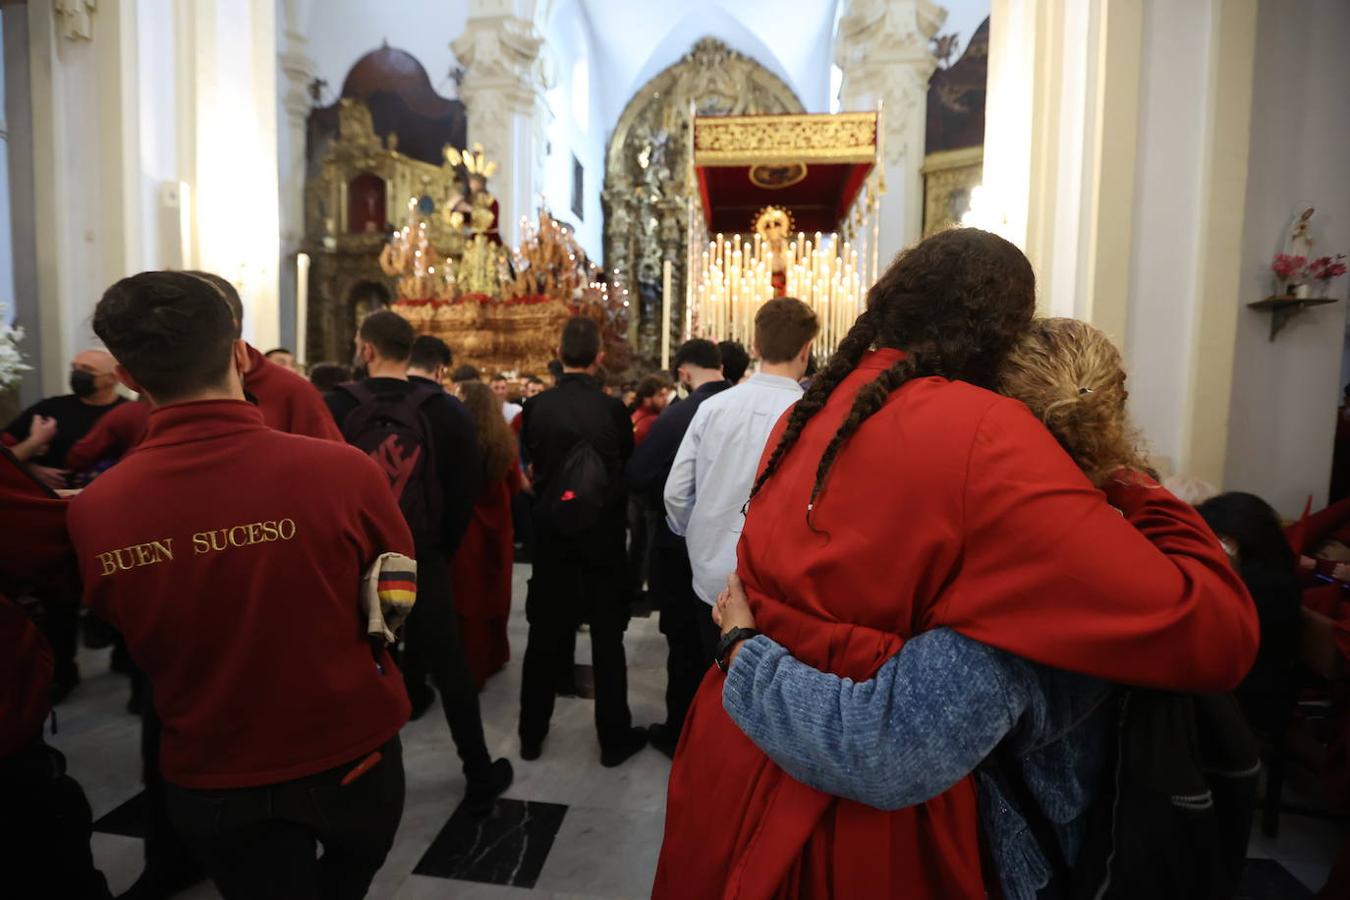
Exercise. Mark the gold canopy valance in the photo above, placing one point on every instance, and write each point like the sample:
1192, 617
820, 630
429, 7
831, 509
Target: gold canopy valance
793, 138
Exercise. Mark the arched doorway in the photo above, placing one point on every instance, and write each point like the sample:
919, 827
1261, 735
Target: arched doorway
648, 177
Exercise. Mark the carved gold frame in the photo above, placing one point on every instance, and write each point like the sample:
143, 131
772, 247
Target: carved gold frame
945, 173
766, 140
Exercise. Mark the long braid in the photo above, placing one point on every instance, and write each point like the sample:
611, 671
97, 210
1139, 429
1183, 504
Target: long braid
869, 399
845, 359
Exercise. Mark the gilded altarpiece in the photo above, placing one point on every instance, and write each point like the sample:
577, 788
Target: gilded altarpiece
649, 177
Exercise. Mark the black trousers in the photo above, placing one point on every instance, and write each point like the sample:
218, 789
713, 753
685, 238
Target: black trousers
259, 843
434, 647
60, 624
167, 858
45, 824
575, 581
686, 621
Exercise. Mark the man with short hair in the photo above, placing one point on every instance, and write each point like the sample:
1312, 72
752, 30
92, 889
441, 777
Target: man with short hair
41, 438
534, 386
501, 389
735, 361
283, 357
230, 566
429, 360
579, 564
652, 397
710, 482
698, 363
287, 401
437, 483
43, 434
465, 373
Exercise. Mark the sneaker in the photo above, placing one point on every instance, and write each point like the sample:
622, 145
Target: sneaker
620, 754
483, 792
664, 738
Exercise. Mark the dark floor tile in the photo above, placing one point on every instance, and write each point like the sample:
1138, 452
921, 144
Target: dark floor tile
1266, 879
127, 820
508, 847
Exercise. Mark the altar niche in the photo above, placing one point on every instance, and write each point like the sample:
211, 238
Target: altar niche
382, 142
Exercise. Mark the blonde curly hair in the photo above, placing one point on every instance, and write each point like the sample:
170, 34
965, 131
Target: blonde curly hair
1072, 378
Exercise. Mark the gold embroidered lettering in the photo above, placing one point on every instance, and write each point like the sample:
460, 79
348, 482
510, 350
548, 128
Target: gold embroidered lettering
134, 556
243, 535
200, 544
281, 529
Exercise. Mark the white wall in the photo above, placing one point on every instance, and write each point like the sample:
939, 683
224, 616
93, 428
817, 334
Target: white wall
1172, 112
568, 41
6, 247
1285, 393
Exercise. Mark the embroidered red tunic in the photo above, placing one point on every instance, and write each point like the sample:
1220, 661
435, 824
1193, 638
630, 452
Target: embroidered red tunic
950, 506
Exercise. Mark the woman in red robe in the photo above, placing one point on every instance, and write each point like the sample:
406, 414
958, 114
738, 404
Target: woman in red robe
480, 570
902, 495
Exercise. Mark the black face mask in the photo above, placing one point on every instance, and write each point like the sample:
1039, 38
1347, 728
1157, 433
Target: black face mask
82, 383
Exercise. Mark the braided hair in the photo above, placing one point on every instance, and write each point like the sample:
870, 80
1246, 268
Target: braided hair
955, 302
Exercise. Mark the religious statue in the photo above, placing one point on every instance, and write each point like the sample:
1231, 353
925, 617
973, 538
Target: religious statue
1300, 242
773, 226
478, 207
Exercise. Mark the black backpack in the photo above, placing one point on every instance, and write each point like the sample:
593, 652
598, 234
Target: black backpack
393, 431
577, 493
1174, 819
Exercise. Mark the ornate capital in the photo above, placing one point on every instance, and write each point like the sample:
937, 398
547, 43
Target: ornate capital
75, 19
299, 69
884, 51
501, 54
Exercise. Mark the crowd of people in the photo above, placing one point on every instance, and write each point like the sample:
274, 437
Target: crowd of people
914, 601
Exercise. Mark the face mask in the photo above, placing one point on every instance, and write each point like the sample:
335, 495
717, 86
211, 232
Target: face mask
82, 383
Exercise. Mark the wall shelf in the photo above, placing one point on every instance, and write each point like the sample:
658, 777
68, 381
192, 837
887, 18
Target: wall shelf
1282, 309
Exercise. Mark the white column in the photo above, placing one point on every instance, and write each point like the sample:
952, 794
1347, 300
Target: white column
506, 108
298, 69
228, 143
883, 49
83, 70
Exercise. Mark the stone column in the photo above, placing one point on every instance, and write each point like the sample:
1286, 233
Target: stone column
883, 49
298, 70
503, 91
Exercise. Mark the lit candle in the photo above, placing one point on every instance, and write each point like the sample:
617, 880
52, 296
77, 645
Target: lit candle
301, 305
665, 314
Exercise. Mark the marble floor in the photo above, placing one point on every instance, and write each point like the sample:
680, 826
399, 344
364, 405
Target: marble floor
569, 828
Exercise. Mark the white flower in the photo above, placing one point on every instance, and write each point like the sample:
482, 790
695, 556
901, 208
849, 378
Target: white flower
11, 360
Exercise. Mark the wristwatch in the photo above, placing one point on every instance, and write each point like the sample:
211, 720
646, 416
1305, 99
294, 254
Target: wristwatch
729, 640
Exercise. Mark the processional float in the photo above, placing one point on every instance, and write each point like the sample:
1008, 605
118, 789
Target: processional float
786, 206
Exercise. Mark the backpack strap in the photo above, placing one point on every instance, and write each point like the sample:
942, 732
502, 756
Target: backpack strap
358, 391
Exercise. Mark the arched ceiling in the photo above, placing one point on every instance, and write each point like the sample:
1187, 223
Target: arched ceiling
635, 41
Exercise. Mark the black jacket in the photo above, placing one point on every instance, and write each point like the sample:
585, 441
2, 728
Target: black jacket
651, 464
455, 437
556, 420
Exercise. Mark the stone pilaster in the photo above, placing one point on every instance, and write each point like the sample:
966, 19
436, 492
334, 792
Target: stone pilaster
298, 70
503, 92
883, 49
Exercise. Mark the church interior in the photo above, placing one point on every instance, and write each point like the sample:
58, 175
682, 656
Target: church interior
491, 170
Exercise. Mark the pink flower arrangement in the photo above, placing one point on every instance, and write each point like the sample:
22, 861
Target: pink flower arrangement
1287, 266
1325, 268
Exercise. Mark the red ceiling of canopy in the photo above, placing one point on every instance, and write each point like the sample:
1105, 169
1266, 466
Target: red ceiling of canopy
819, 202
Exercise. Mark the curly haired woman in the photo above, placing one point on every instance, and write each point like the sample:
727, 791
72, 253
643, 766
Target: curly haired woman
904, 495
938, 708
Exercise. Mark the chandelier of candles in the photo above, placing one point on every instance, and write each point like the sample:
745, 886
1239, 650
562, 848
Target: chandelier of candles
736, 278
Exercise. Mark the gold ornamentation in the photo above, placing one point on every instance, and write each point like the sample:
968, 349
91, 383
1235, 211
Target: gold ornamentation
474, 161
756, 140
649, 178
948, 177
777, 177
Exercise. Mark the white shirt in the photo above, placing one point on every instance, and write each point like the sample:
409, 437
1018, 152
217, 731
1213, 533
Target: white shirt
715, 469
510, 411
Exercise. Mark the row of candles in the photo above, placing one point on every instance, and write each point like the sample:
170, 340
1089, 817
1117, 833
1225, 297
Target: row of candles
736, 279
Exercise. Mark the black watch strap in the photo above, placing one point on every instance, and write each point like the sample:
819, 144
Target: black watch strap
729, 640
